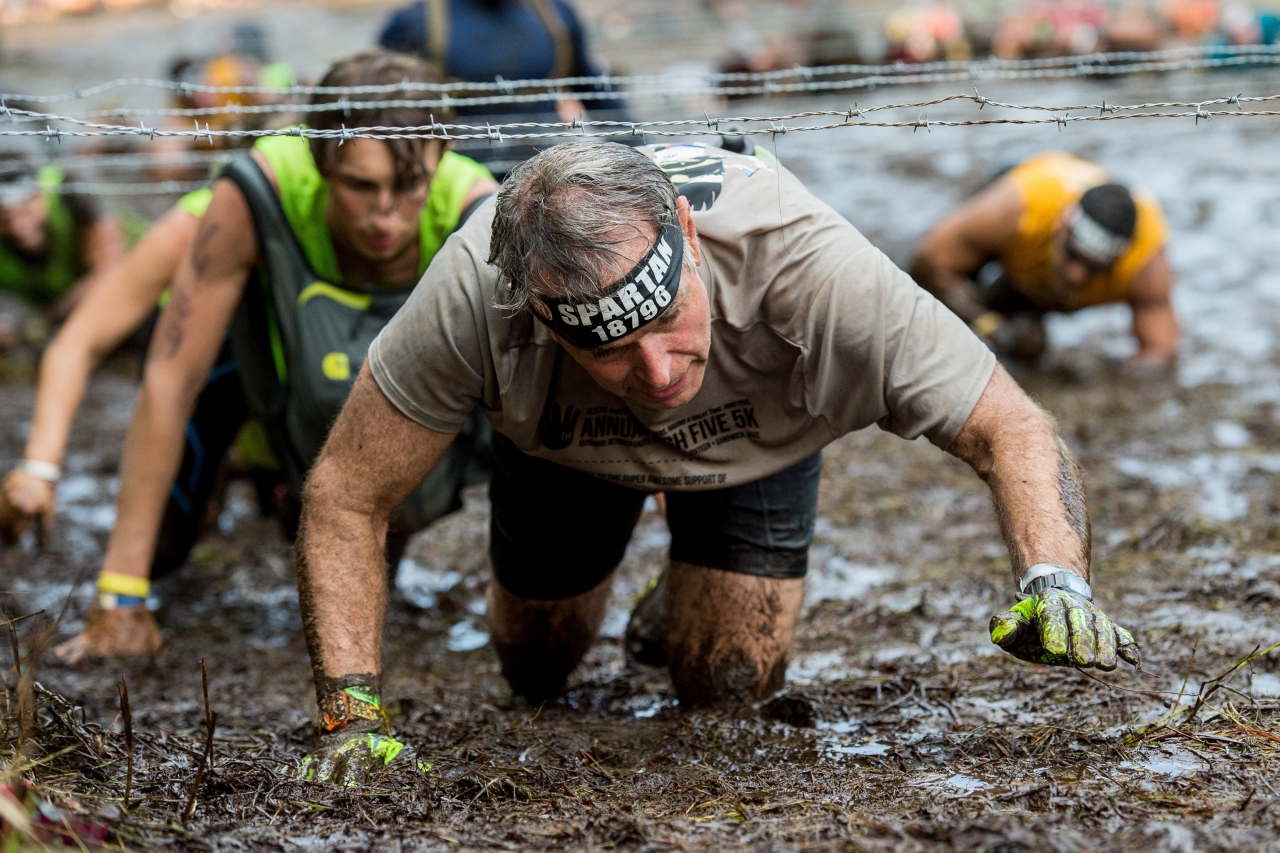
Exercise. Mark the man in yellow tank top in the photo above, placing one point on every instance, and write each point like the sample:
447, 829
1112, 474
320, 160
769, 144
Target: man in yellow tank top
1065, 237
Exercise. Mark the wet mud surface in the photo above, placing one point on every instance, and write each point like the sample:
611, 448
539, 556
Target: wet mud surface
901, 726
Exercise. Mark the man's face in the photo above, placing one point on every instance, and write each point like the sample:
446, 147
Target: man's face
661, 365
368, 213
22, 223
1071, 270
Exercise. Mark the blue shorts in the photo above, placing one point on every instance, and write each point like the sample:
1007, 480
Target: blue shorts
555, 533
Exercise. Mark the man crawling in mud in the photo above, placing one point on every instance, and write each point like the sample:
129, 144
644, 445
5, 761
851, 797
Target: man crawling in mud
671, 318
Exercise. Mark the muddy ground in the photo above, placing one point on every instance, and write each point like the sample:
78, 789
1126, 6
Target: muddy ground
902, 727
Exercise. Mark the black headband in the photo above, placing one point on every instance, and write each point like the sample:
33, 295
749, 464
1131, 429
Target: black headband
635, 300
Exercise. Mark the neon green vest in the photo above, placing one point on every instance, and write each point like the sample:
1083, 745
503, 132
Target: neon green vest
64, 265
300, 341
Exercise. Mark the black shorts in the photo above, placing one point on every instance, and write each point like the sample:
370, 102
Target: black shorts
555, 533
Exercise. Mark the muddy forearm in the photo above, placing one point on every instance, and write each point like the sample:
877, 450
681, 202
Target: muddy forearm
1035, 481
342, 587
374, 457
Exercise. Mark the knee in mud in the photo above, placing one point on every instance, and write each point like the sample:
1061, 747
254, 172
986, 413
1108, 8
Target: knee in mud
536, 674
732, 677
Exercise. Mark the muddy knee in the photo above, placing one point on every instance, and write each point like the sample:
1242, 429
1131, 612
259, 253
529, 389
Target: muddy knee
730, 634
540, 642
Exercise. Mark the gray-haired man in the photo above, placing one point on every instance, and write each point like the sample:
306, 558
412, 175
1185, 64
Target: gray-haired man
672, 318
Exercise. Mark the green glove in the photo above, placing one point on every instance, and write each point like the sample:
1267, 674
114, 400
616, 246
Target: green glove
1062, 629
349, 757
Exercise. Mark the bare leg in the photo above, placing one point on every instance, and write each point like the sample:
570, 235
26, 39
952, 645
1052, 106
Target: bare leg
540, 642
730, 634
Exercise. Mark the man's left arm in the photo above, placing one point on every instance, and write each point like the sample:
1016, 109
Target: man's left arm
1037, 487
1154, 323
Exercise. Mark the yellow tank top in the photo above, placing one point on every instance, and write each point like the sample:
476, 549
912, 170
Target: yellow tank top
1048, 184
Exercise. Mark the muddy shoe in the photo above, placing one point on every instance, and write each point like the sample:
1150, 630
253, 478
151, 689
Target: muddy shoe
121, 632
646, 638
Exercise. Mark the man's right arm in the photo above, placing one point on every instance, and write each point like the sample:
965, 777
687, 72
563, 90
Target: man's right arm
957, 247
374, 457
191, 331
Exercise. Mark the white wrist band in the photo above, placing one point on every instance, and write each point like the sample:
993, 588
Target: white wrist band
46, 471
1039, 570
1044, 575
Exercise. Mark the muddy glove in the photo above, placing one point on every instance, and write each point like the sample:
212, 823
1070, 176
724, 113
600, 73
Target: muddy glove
1059, 625
349, 757
356, 739
25, 498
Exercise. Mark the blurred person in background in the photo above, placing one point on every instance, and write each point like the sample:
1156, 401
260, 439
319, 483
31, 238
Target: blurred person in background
1042, 28
307, 249
126, 296
1062, 237
923, 33
1192, 20
54, 247
242, 60
487, 40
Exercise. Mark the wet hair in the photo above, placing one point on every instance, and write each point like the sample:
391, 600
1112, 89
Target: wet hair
561, 214
379, 68
1112, 207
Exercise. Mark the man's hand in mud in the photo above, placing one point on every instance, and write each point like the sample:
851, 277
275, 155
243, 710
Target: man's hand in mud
351, 756
24, 499
1144, 367
1058, 628
117, 633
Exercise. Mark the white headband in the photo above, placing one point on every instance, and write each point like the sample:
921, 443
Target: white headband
1093, 240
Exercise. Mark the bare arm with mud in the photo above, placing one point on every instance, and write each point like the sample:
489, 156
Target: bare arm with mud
1154, 323
956, 248
1013, 445
189, 334
374, 457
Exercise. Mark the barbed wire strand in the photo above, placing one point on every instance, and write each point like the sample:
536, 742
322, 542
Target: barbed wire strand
670, 93
734, 126
1085, 64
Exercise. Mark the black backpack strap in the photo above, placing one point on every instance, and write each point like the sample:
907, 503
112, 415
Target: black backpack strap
264, 329
288, 270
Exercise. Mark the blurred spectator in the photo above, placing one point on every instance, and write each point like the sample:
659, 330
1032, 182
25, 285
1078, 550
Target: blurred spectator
1133, 27
926, 32
763, 36
1193, 19
53, 247
242, 61
1051, 28
1240, 23
487, 40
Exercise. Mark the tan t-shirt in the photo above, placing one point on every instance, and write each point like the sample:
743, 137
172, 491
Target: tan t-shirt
814, 334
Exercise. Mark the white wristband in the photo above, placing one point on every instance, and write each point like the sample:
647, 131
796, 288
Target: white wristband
46, 471
1038, 571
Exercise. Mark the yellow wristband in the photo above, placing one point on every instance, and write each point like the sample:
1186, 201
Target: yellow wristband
124, 584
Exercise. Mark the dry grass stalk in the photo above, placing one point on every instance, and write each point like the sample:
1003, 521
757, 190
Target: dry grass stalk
126, 713
210, 722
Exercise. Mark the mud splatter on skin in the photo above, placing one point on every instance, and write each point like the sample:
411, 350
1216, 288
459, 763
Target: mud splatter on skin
1071, 487
730, 635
